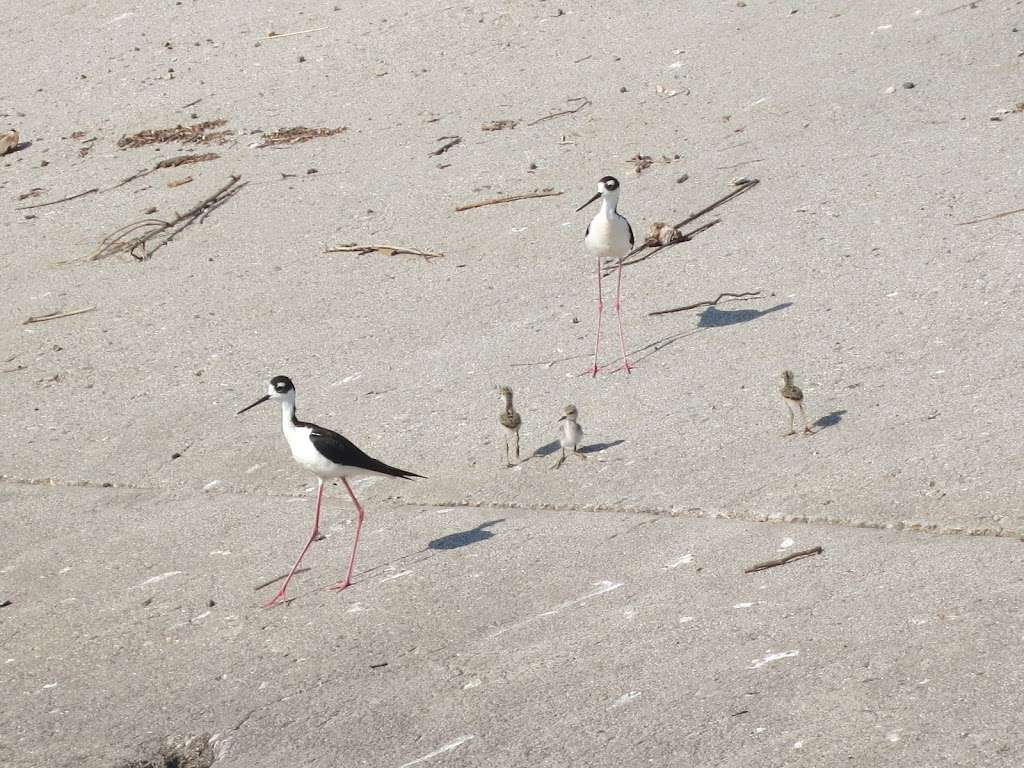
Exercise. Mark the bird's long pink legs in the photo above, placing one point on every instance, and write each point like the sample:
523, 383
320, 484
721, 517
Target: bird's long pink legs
359, 526
618, 314
312, 536
600, 311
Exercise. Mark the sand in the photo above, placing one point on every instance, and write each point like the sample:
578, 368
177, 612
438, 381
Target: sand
124, 460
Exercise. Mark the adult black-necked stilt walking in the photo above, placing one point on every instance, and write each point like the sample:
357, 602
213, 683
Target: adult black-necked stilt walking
609, 236
327, 455
794, 397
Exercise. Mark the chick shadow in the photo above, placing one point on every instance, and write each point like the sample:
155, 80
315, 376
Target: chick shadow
465, 538
713, 317
599, 447
545, 450
828, 420
554, 446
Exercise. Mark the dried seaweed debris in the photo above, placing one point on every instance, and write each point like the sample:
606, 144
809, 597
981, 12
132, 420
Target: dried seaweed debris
198, 133
297, 135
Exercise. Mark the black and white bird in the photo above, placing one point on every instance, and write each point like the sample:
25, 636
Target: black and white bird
609, 237
329, 456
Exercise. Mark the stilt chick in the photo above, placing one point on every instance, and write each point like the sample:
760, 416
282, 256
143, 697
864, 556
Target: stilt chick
510, 421
794, 398
571, 435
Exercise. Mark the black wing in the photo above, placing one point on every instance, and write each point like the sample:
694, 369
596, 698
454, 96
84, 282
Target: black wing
341, 450
587, 233
631, 241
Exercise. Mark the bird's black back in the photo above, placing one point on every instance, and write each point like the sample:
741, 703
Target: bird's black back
341, 450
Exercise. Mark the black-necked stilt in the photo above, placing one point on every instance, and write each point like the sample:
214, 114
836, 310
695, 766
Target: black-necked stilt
571, 435
327, 455
609, 236
794, 398
510, 421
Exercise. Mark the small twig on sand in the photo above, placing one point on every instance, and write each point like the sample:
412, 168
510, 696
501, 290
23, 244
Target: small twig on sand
584, 101
55, 315
387, 250
783, 560
509, 199
62, 200
750, 294
445, 147
275, 35
988, 218
160, 230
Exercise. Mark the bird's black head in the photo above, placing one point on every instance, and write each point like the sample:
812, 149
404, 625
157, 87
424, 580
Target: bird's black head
279, 387
607, 185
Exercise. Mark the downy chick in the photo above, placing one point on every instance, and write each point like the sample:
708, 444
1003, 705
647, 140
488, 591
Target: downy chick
510, 421
794, 398
571, 435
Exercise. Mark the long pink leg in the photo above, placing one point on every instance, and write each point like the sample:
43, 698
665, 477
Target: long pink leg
600, 311
312, 536
359, 526
618, 315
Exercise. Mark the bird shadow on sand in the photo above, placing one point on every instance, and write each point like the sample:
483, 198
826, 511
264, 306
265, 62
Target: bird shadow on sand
554, 446
598, 447
713, 317
545, 450
465, 538
828, 420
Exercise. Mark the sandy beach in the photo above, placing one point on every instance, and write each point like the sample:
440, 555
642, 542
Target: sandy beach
595, 615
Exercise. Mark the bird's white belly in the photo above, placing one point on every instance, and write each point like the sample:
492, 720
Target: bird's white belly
307, 456
608, 238
572, 436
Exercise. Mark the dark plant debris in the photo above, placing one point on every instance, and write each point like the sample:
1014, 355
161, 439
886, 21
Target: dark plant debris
297, 135
198, 133
499, 125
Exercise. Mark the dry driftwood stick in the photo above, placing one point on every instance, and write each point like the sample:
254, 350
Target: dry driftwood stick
158, 229
739, 190
445, 147
992, 217
584, 101
509, 199
275, 35
55, 315
387, 250
751, 294
783, 560
62, 200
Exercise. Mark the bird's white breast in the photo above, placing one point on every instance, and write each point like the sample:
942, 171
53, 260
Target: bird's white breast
608, 237
572, 435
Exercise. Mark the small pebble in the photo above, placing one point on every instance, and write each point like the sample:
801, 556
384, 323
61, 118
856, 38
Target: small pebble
623, 89
682, 178
908, 85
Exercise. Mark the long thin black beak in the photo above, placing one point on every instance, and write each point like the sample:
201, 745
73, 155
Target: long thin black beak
261, 400
595, 197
